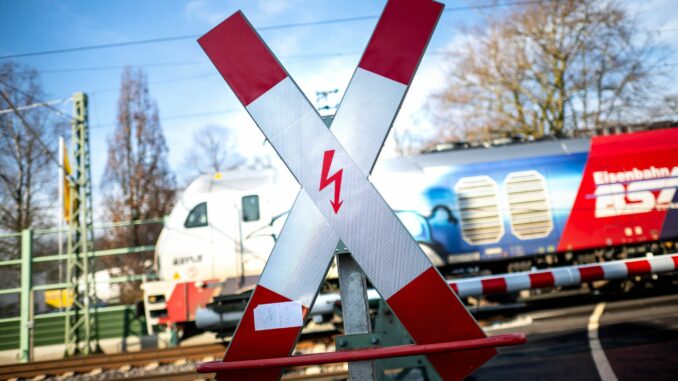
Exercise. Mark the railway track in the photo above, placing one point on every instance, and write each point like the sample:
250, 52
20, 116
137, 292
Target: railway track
143, 365
192, 375
179, 363
84, 364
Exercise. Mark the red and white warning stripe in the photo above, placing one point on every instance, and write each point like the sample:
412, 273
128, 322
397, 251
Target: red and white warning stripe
565, 276
287, 119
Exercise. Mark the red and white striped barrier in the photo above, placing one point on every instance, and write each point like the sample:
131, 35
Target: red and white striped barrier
565, 276
479, 286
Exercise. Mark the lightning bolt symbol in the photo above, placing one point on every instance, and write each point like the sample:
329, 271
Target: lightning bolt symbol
335, 178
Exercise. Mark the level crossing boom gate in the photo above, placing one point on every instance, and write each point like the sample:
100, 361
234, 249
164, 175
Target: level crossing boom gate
354, 212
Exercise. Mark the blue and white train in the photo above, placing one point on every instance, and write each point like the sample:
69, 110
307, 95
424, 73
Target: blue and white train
499, 209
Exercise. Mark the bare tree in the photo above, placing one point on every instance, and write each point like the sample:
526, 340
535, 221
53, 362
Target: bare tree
667, 108
26, 171
137, 182
214, 149
547, 68
405, 143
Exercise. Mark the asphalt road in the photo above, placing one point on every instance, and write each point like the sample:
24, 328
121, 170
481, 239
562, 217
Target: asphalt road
638, 340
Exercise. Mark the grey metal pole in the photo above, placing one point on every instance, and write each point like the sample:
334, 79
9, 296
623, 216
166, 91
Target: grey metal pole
354, 310
25, 318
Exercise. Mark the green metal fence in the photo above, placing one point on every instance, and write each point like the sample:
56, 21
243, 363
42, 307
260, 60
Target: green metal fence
114, 322
48, 328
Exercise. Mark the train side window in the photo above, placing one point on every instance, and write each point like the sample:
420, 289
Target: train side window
197, 217
250, 208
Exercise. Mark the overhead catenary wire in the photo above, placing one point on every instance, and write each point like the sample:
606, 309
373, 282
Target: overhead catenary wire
33, 105
28, 128
184, 63
264, 28
59, 112
272, 27
118, 67
179, 116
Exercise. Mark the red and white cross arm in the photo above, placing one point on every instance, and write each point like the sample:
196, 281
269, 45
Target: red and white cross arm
297, 133
306, 243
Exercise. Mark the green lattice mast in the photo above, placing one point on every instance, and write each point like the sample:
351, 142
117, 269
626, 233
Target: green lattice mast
81, 333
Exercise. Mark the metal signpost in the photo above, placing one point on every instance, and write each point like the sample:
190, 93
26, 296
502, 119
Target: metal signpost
354, 311
337, 201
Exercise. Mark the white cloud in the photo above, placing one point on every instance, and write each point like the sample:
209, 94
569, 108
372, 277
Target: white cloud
274, 8
209, 12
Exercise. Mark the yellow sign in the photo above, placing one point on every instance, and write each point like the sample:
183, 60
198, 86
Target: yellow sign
59, 298
67, 187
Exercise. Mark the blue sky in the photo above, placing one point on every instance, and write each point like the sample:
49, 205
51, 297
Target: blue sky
187, 88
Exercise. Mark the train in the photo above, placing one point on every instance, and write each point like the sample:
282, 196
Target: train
493, 209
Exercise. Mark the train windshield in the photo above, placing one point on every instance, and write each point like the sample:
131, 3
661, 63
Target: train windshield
197, 217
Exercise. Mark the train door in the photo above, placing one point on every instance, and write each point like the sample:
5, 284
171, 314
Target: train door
224, 236
257, 235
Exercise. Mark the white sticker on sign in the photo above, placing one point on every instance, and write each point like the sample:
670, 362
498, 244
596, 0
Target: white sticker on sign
278, 315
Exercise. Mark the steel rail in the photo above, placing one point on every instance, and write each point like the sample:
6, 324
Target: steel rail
83, 364
109, 361
189, 375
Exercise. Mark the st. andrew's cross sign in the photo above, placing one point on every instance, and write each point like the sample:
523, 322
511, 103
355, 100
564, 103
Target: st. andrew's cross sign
337, 201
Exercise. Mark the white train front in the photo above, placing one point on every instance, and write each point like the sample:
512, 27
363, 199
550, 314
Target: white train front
216, 240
